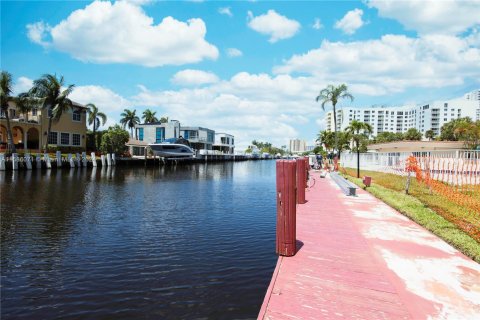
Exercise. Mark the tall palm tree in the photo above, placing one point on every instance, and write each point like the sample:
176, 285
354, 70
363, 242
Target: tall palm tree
326, 138
95, 118
149, 116
24, 104
53, 98
6, 88
130, 119
332, 94
354, 130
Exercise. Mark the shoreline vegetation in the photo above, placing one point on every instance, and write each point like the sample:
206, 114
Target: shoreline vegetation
455, 224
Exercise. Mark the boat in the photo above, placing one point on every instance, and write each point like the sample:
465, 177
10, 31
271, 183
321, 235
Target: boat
173, 148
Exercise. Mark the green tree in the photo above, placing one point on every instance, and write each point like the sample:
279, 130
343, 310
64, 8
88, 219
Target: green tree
149, 116
447, 132
114, 140
413, 135
332, 94
6, 89
358, 131
25, 104
95, 118
430, 134
52, 98
164, 120
318, 150
326, 138
130, 119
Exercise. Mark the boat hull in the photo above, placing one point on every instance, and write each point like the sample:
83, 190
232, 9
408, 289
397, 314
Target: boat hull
172, 150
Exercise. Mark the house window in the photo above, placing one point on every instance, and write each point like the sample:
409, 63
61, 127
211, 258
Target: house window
34, 111
77, 116
140, 134
210, 136
159, 134
53, 137
75, 139
64, 138
232, 142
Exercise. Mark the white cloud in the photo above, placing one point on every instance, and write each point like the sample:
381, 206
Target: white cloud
234, 52
392, 63
426, 17
225, 11
107, 101
121, 32
191, 77
278, 27
23, 84
317, 24
37, 31
351, 22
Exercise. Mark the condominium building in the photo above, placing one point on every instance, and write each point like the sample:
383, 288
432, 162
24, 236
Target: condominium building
399, 119
297, 146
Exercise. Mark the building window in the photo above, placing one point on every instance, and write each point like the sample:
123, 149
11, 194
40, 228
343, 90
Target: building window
75, 139
159, 134
64, 138
53, 137
232, 142
76, 116
210, 137
140, 134
34, 111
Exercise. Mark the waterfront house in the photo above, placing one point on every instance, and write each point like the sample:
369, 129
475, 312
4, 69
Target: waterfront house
198, 137
224, 143
155, 132
29, 130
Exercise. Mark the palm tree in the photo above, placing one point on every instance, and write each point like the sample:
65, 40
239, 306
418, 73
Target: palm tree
326, 138
6, 88
429, 134
130, 119
354, 130
24, 104
149, 116
332, 94
95, 118
53, 98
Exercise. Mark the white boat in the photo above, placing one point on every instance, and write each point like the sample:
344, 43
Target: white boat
172, 148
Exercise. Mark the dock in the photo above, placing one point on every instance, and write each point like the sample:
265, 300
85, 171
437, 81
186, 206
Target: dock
358, 258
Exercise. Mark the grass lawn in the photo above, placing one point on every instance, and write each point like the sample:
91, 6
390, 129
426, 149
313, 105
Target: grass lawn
454, 223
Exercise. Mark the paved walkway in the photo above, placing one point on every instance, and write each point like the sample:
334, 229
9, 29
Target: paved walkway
361, 259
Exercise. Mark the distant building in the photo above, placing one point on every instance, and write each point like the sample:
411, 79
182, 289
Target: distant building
224, 143
297, 146
152, 133
399, 119
309, 148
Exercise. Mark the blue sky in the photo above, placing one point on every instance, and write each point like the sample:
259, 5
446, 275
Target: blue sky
250, 68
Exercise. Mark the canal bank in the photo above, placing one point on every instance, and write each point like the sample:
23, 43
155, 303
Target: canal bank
359, 258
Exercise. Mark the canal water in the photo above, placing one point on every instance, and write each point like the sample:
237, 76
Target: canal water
176, 242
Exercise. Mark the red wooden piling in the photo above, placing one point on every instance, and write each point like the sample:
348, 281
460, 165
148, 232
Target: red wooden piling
301, 181
286, 208
307, 169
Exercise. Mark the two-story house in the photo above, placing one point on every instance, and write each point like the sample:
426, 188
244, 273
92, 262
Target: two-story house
225, 143
198, 137
29, 130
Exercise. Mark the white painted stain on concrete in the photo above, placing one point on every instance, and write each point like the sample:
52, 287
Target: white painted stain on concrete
453, 284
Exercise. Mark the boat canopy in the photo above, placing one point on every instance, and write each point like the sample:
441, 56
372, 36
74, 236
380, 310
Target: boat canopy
180, 140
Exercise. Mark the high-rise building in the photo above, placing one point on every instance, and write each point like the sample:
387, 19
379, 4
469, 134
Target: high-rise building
297, 146
399, 119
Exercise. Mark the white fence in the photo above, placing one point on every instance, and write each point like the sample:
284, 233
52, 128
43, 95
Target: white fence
457, 167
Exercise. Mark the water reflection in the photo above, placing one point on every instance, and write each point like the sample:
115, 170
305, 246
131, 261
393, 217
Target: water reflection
170, 242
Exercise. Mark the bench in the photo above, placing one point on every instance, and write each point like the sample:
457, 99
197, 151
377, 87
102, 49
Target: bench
347, 187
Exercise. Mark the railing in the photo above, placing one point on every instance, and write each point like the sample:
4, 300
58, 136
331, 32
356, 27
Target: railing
455, 167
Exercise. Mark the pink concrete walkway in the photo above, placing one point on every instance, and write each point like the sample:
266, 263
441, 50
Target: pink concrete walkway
360, 259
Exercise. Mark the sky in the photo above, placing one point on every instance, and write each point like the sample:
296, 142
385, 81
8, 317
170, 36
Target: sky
249, 68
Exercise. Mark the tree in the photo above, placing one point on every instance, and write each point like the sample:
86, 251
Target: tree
95, 118
24, 104
130, 119
413, 134
318, 150
354, 130
114, 140
326, 138
164, 120
332, 94
149, 116
447, 132
430, 134
6, 89
53, 98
